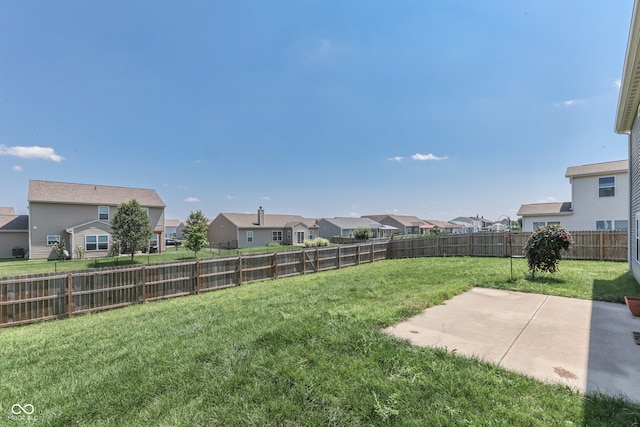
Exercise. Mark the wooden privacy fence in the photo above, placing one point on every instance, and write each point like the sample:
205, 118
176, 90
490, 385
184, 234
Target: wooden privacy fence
28, 299
587, 245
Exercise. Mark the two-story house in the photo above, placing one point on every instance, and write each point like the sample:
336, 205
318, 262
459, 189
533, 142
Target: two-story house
80, 216
599, 200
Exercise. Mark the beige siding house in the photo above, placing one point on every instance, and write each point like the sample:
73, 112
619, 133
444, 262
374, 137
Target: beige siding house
14, 234
241, 230
80, 216
599, 200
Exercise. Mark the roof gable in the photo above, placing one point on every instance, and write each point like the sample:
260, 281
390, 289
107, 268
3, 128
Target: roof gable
89, 194
14, 222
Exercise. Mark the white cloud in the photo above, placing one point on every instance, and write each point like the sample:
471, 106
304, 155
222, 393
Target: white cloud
33, 152
568, 103
396, 158
192, 200
617, 83
17, 168
549, 199
422, 157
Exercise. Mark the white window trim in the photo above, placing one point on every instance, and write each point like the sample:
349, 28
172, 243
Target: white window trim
97, 242
108, 213
51, 242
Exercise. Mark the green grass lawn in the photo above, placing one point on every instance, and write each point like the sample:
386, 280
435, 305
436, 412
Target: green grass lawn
304, 350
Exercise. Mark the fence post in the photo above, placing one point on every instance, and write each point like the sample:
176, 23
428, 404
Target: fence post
339, 259
317, 259
239, 269
197, 276
372, 253
69, 295
275, 265
601, 245
143, 285
358, 254
304, 261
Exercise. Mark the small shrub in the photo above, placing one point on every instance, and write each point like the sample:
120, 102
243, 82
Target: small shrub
317, 242
273, 245
79, 251
363, 233
544, 248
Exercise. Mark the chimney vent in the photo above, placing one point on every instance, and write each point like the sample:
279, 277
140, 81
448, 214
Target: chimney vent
260, 216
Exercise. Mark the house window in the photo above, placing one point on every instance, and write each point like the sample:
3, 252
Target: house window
537, 224
96, 243
621, 224
249, 236
311, 236
607, 186
604, 225
53, 239
276, 236
300, 237
146, 210
103, 213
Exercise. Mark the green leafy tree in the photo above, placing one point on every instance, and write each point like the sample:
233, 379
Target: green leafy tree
195, 232
363, 233
544, 248
131, 227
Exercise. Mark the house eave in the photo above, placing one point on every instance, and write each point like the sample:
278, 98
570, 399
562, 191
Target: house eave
629, 98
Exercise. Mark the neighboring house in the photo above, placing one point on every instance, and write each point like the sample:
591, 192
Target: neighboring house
599, 200
344, 227
171, 227
14, 234
472, 224
444, 226
627, 123
241, 230
406, 224
80, 216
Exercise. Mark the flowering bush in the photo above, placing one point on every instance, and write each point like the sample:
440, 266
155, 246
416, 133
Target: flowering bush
544, 247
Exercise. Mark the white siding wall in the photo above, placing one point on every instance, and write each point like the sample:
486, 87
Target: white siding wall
588, 207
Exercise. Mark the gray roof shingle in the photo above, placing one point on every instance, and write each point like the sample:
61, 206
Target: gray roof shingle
90, 194
558, 208
598, 168
14, 222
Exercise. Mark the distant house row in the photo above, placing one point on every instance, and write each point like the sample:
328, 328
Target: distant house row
79, 216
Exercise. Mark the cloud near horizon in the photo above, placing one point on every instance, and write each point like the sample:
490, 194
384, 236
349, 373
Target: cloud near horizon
423, 157
32, 152
191, 200
396, 158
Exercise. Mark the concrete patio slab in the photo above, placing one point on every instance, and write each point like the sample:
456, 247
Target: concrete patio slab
586, 345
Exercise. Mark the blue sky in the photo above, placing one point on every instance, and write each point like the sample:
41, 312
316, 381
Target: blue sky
326, 108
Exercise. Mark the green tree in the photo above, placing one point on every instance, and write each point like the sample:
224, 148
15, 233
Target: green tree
131, 228
195, 232
544, 248
363, 233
